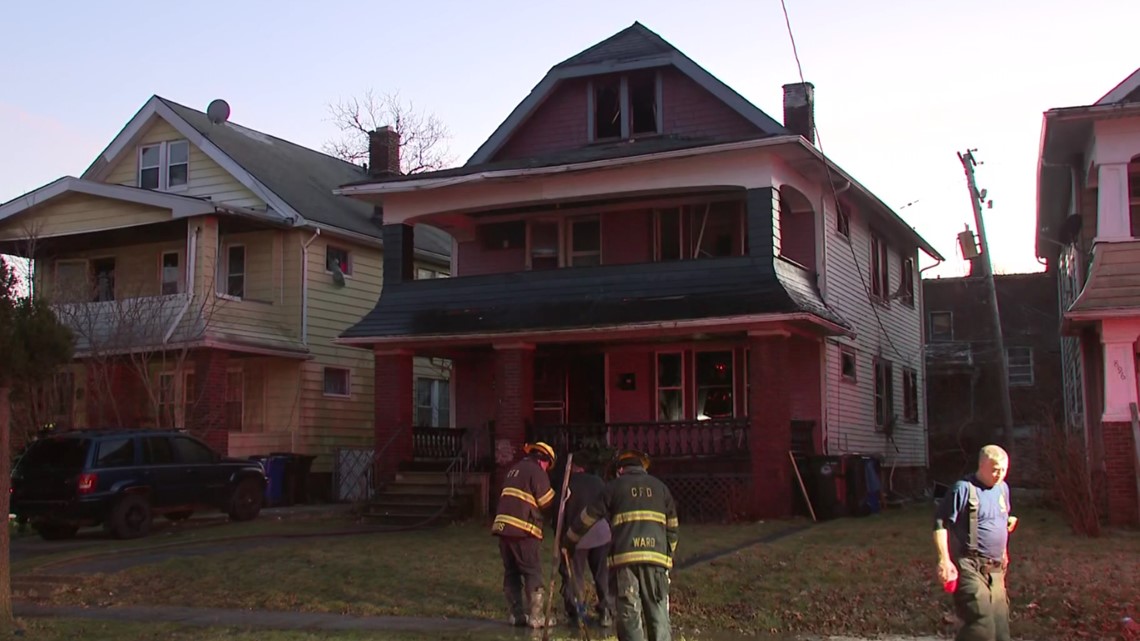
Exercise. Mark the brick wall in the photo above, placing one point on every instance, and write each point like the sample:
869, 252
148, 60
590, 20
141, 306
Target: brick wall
770, 436
1120, 474
514, 392
394, 409
208, 412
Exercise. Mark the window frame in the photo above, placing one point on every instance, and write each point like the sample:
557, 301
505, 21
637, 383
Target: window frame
167, 394
168, 165
1031, 378
846, 351
558, 243
162, 283
188, 395
157, 167
657, 387
884, 397
930, 326
697, 385
880, 266
910, 395
164, 165
843, 222
571, 254
325, 371
435, 407
229, 274
93, 279
85, 296
347, 268
906, 278
625, 106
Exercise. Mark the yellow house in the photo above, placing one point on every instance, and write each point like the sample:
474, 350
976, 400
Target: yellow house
205, 269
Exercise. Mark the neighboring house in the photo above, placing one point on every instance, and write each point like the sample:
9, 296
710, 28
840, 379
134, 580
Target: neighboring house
646, 258
206, 269
1088, 219
962, 384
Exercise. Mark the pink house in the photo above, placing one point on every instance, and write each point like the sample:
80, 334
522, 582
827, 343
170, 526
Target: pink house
643, 258
1088, 216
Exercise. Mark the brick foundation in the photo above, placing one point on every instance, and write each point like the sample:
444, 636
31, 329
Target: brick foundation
1120, 474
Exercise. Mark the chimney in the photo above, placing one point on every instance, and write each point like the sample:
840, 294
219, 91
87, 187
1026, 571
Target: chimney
799, 109
383, 152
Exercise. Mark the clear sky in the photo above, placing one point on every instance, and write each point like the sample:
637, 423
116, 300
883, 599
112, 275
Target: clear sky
901, 85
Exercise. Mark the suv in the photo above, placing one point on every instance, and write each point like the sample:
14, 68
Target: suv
122, 478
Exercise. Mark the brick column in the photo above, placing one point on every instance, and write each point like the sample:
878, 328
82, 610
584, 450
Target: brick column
514, 409
394, 396
208, 404
770, 433
1120, 473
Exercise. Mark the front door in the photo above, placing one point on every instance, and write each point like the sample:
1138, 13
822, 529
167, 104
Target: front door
586, 388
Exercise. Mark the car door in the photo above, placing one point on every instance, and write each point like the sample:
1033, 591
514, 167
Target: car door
203, 477
168, 478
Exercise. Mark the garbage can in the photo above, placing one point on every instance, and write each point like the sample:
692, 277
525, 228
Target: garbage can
863, 485
275, 475
826, 474
295, 478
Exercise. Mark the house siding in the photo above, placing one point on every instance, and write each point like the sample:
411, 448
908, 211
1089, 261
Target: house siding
79, 214
558, 123
689, 109
206, 178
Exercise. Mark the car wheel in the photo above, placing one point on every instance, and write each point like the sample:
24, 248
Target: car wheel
245, 504
180, 515
56, 531
131, 517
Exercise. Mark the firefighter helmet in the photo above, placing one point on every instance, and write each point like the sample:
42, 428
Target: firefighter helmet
542, 449
632, 457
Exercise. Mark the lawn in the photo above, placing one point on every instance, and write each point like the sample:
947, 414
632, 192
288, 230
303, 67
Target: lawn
851, 576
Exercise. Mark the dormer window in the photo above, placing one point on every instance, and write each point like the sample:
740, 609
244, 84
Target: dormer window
165, 165
625, 106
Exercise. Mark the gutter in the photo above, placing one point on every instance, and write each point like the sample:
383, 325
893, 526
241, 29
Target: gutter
305, 286
191, 254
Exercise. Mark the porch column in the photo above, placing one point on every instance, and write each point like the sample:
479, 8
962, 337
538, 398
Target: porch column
770, 430
399, 253
208, 412
1119, 338
762, 213
393, 398
1113, 220
514, 408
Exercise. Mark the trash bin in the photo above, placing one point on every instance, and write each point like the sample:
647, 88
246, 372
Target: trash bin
826, 478
274, 466
863, 485
295, 479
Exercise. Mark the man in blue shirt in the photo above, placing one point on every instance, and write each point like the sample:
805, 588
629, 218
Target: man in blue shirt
971, 532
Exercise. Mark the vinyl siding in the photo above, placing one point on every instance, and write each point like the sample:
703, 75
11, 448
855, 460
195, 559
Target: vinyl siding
78, 214
206, 178
892, 333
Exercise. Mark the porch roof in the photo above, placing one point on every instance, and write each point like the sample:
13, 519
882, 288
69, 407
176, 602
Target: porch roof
592, 298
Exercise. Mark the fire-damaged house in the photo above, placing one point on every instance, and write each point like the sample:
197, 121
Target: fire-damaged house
642, 258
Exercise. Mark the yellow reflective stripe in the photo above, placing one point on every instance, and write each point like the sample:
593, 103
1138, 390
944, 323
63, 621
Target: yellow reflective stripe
656, 558
588, 520
673, 547
519, 494
673, 522
520, 524
639, 515
545, 499
572, 536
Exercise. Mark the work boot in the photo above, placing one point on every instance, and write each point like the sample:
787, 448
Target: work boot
537, 617
606, 619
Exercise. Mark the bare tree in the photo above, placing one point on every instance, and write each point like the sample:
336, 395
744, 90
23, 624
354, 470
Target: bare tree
423, 136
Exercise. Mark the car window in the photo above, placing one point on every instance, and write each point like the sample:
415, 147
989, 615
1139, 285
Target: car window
55, 454
158, 451
191, 451
115, 452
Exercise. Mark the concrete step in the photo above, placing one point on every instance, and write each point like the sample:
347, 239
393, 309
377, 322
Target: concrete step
426, 478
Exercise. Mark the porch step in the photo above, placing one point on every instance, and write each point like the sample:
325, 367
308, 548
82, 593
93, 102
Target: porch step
423, 478
421, 498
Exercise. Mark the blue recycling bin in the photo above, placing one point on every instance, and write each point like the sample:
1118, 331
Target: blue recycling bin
274, 467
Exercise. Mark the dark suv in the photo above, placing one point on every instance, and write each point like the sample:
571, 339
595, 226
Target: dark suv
121, 479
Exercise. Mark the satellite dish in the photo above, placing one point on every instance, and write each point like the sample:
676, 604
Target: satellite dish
218, 111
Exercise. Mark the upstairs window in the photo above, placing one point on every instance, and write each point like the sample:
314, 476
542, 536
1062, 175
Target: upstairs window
910, 395
906, 289
941, 326
171, 274
164, 165
625, 106
880, 269
543, 240
338, 382
572, 242
585, 242
235, 271
103, 271
843, 222
884, 392
706, 230
670, 387
714, 382
1019, 361
422, 273
338, 258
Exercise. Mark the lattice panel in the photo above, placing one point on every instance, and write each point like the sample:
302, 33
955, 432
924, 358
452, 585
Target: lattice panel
706, 498
353, 475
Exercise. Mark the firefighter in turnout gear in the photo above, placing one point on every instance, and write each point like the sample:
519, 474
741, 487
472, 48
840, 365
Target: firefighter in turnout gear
643, 520
518, 524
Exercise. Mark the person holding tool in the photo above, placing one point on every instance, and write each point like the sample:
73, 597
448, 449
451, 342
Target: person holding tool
971, 533
589, 558
518, 524
643, 519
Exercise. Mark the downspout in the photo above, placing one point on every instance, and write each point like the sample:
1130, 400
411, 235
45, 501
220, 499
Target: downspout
191, 252
305, 287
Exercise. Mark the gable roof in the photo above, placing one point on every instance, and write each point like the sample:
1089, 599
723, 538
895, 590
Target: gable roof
179, 206
1127, 91
296, 182
635, 47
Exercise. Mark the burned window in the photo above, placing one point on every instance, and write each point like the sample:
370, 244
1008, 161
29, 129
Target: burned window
910, 395
607, 108
585, 241
643, 103
544, 241
669, 234
670, 387
880, 269
714, 385
884, 393
847, 365
906, 290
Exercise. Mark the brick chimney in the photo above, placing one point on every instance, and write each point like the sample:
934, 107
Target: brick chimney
799, 109
383, 152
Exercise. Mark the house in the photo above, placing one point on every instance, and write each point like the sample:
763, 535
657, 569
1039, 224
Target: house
205, 269
962, 371
1088, 220
645, 259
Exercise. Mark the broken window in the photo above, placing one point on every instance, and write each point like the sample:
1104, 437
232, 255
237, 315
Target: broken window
103, 270
643, 103
670, 387
880, 269
706, 230
585, 242
544, 242
847, 364
607, 108
884, 393
910, 395
714, 385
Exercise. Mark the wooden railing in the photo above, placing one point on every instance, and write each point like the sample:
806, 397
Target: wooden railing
437, 442
676, 439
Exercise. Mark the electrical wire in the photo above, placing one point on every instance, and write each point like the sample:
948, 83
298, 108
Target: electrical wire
835, 196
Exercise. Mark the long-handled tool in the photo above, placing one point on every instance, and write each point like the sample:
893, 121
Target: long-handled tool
557, 546
579, 600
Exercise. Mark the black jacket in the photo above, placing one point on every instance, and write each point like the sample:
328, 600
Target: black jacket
642, 516
585, 488
526, 492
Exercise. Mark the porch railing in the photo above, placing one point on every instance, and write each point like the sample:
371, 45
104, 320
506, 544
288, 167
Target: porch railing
437, 442
674, 439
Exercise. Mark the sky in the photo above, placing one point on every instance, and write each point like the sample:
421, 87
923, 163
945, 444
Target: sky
900, 85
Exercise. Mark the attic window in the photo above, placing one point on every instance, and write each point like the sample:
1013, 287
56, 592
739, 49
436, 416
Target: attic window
624, 106
165, 165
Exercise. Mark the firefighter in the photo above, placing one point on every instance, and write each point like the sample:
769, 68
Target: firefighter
518, 524
643, 521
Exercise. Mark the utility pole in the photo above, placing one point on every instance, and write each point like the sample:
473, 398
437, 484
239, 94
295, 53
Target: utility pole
976, 198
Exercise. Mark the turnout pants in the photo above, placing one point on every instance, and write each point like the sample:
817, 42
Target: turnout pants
522, 570
981, 601
641, 593
591, 562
